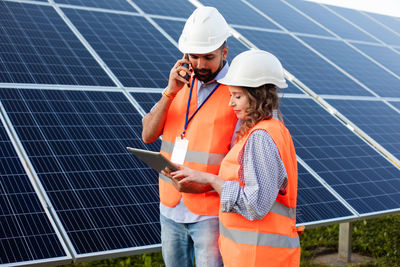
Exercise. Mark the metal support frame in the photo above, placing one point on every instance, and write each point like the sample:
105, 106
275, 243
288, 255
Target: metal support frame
345, 231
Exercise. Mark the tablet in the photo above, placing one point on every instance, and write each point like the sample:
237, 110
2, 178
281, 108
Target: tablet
153, 159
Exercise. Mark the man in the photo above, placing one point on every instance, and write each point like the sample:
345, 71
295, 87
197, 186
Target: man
196, 125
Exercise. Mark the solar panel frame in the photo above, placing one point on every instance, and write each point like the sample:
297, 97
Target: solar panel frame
395, 104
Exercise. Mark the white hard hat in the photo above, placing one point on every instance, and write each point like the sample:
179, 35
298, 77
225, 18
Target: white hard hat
254, 68
205, 31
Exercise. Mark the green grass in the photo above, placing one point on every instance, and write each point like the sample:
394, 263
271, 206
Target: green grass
378, 238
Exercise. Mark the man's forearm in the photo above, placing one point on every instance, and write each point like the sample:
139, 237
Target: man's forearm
153, 122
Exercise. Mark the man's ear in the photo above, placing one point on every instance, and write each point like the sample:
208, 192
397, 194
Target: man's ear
225, 52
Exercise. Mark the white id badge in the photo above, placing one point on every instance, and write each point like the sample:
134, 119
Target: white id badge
179, 151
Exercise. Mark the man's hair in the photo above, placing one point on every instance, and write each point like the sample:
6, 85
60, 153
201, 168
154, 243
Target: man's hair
263, 100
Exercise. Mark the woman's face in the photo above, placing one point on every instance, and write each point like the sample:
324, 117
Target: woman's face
239, 101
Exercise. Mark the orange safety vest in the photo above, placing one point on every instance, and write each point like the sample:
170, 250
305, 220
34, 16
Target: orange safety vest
273, 240
209, 134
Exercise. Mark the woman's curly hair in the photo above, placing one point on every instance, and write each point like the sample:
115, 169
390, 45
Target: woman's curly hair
263, 100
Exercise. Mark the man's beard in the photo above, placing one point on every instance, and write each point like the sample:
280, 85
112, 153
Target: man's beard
205, 76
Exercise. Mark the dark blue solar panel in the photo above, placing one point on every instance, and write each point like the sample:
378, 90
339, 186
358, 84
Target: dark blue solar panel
384, 55
136, 52
359, 174
174, 8
36, 46
368, 24
304, 64
237, 12
76, 141
376, 119
314, 202
288, 17
174, 29
106, 4
357, 65
392, 22
331, 21
26, 233
147, 100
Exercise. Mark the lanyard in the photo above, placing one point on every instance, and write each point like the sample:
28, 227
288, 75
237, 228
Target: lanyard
187, 110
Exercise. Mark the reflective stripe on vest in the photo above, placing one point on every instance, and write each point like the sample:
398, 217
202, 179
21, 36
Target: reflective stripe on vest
283, 210
195, 156
165, 178
259, 239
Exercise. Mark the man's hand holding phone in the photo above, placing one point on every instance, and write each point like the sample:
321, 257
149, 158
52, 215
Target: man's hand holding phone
179, 75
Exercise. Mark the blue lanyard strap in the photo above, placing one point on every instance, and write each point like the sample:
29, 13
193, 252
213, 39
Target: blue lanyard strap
187, 110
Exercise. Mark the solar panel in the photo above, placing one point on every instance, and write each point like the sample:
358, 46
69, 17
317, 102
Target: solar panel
172, 27
76, 140
363, 69
137, 53
289, 18
315, 204
359, 19
323, 16
175, 8
377, 119
389, 21
122, 5
384, 55
26, 234
359, 174
304, 64
36, 46
106, 201
146, 100
238, 13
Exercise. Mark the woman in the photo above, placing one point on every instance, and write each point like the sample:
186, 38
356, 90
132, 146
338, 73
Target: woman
257, 181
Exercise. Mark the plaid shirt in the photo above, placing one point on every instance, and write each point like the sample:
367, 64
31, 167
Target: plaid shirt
263, 174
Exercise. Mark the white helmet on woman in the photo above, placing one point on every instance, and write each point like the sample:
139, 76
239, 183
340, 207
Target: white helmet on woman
254, 68
205, 31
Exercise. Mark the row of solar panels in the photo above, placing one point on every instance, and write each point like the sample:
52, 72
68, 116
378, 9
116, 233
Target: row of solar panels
76, 77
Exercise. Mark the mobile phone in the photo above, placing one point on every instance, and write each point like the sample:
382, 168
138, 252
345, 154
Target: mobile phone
186, 75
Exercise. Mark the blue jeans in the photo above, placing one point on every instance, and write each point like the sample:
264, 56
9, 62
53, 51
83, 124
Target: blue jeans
182, 241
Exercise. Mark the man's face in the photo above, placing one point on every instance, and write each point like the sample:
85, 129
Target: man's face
206, 66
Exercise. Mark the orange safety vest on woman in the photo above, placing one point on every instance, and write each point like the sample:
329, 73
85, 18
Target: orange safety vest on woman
209, 134
273, 240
